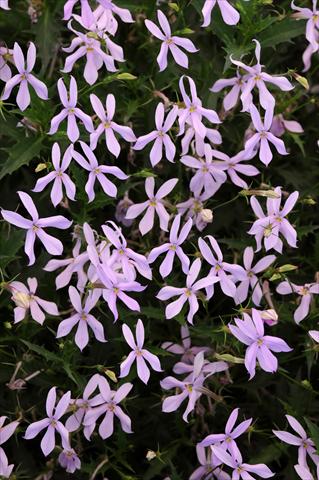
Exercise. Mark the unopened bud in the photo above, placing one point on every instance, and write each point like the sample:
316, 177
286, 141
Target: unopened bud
269, 316
40, 167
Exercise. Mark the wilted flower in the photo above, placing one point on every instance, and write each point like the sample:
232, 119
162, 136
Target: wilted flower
26, 300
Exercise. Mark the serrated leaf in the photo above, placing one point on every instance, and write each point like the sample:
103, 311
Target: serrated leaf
20, 154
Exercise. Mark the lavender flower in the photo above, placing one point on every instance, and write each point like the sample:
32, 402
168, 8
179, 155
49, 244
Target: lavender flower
229, 13
186, 294
108, 404
257, 78
260, 140
97, 172
209, 176
82, 405
138, 354
35, 227
5, 433
219, 268
70, 111
306, 293
305, 444
108, 126
186, 351
240, 469
268, 227
173, 247
227, 440
170, 43
24, 78
52, 423
82, 318
90, 47
128, 260
251, 280
250, 331
154, 204
237, 83
161, 137
191, 389
69, 460
209, 466
26, 300
193, 112
58, 176
6, 54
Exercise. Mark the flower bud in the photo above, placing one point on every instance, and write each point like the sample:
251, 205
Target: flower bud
207, 215
150, 455
269, 316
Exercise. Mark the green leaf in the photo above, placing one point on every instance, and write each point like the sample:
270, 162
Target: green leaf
314, 432
21, 153
47, 32
282, 31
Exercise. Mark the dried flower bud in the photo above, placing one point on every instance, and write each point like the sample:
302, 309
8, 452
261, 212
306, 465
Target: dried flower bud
207, 215
150, 455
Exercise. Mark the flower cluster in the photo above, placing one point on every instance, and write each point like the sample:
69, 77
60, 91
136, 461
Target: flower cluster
156, 249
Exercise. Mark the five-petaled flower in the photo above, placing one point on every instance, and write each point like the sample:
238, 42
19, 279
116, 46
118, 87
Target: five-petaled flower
161, 137
138, 354
268, 227
70, 111
52, 422
35, 227
251, 332
58, 176
24, 78
154, 204
188, 293
170, 42
108, 126
173, 247
83, 318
